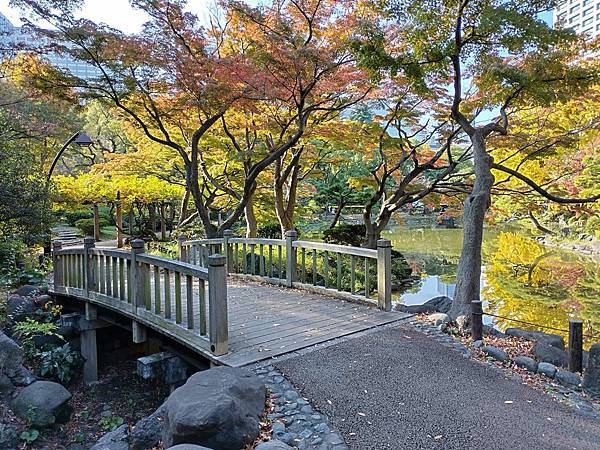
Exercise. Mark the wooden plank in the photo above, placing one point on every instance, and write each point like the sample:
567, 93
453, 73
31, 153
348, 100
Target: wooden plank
344, 249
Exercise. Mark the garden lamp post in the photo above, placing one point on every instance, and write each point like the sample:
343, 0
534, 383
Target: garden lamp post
79, 138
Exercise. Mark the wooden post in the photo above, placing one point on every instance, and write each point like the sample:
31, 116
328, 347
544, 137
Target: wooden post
96, 223
227, 234
384, 274
119, 220
217, 301
163, 222
56, 264
575, 345
138, 301
89, 275
183, 256
476, 320
89, 351
290, 257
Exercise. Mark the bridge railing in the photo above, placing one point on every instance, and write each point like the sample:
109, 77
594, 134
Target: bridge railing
183, 300
354, 273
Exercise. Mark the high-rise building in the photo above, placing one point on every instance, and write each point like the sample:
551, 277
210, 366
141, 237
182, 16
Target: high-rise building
583, 16
12, 38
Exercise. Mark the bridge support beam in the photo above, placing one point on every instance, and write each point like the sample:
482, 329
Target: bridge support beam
138, 331
89, 351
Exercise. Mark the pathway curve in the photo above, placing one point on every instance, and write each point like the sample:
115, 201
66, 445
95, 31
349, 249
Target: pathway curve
400, 389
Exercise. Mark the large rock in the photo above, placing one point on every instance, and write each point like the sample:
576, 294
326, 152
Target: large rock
6, 386
527, 363
440, 304
147, 432
217, 408
547, 369
553, 340
18, 307
188, 447
28, 290
567, 378
9, 438
550, 354
439, 318
11, 355
495, 352
114, 440
43, 403
591, 375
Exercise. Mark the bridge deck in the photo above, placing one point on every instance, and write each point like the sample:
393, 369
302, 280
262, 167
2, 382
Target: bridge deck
267, 321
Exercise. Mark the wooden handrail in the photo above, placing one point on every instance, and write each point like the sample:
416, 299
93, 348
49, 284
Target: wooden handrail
165, 294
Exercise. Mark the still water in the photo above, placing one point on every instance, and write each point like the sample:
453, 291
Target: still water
522, 279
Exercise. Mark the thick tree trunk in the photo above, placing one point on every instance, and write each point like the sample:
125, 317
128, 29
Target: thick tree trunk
285, 202
151, 225
183, 208
468, 274
251, 226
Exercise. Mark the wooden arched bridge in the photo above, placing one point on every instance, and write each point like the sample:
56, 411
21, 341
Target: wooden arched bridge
235, 301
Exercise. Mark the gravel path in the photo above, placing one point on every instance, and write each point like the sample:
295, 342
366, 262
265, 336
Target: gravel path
400, 389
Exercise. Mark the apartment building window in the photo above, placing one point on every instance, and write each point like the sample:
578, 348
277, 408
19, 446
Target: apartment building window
586, 2
587, 11
574, 18
574, 8
587, 30
575, 27
587, 22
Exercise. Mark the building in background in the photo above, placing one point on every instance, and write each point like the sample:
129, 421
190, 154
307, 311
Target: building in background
583, 16
12, 37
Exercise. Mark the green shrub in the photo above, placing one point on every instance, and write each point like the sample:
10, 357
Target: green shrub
270, 230
60, 363
87, 225
29, 328
346, 234
110, 423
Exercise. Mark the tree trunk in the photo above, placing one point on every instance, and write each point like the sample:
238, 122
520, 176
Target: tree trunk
251, 226
151, 226
285, 202
163, 222
468, 274
338, 213
183, 208
119, 221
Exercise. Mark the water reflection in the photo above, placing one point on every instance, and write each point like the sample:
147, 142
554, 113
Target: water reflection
522, 279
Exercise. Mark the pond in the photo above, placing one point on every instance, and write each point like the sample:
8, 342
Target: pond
522, 279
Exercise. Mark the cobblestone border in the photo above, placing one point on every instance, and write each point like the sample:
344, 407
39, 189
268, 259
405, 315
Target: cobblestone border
562, 394
295, 422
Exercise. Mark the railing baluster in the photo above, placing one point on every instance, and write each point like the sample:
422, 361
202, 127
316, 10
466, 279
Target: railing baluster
279, 261
262, 260
101, 274
244, 257
167, 283
252, 259
303, 262
326, 269
147, 288
339, 271
202, 305
314, 266
352, 274
130, 278
367, 278
237, 258
178, 312
189, 288
108, 271
115, 280
122, 288
157, 290
270, 261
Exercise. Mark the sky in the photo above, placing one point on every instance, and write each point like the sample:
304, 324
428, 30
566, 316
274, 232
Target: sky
116, 13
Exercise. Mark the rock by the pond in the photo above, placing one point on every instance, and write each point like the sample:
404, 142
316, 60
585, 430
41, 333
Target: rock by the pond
439, 318
217, 408
6, 386
554, 340
527, 363
495, 352
23, 377
42, 300
28, 290
568, 378
147, 432
114, 440
547, 369
547, 353
188, 447
11, 355
439, 304
19, 307
591, 375
67, 331
273, 445
463, 322
43, 403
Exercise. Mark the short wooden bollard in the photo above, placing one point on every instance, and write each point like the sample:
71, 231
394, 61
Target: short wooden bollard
476, 320
575, 345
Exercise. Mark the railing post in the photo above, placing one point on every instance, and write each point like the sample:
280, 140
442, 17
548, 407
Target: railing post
476, 320
89, 275
575, 345
384, 274
218, 324
56, 265
182, 248
227, 234
138, 301
290, 257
